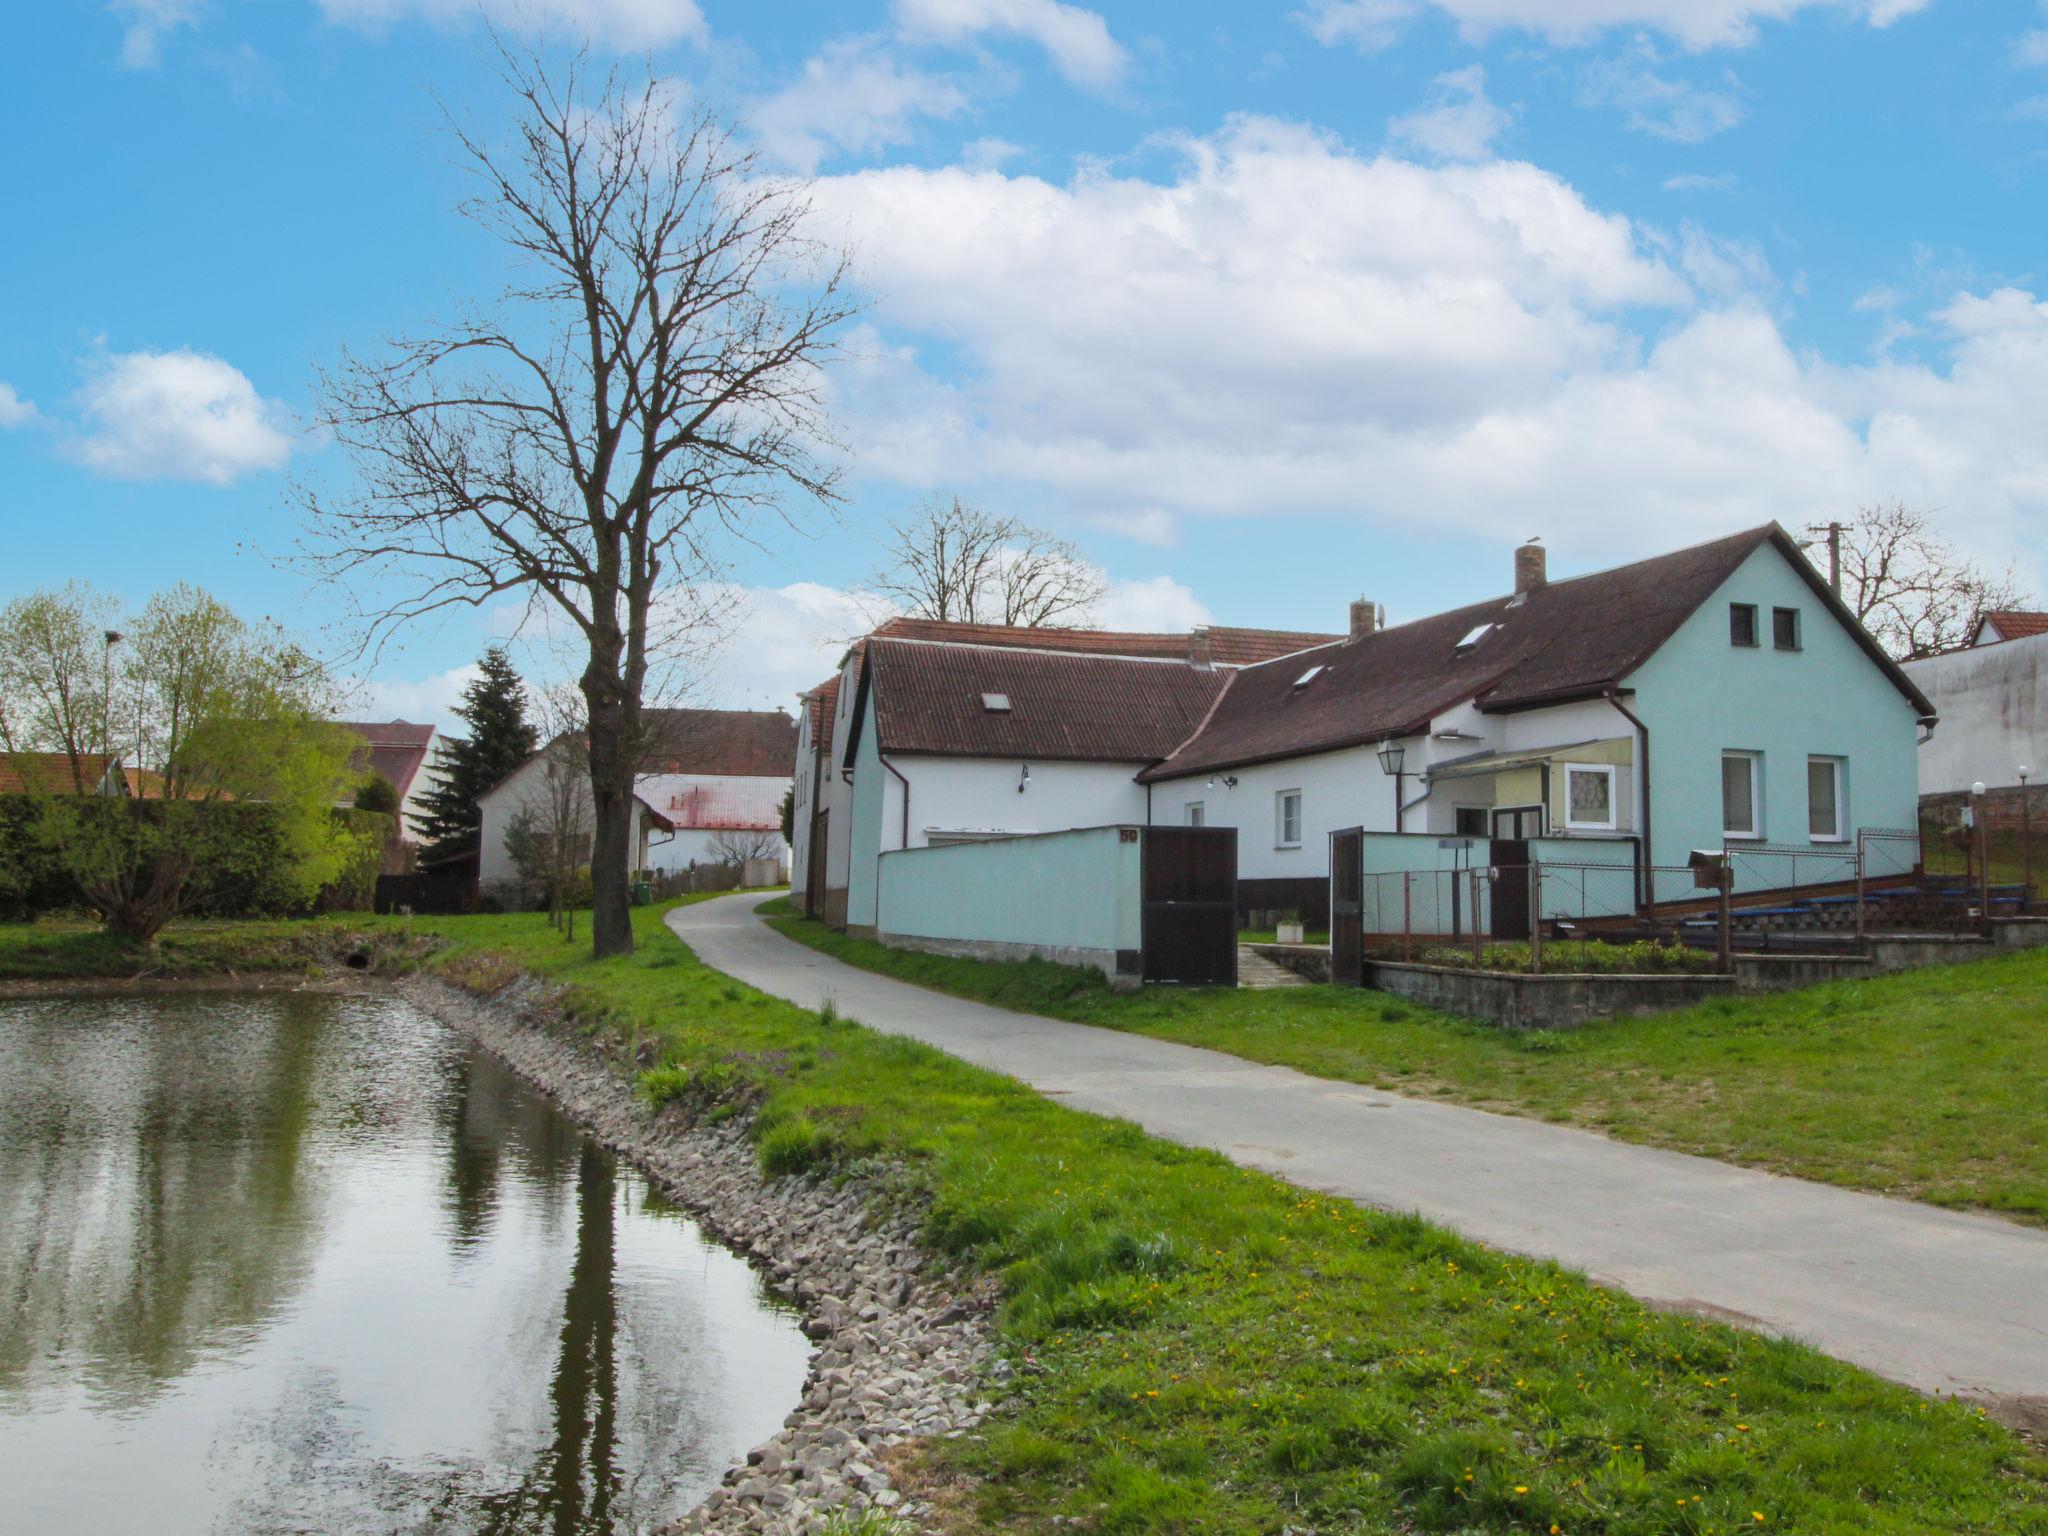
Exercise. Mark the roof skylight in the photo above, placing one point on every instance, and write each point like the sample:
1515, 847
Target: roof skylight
1309, 676
1477, 634
996, 703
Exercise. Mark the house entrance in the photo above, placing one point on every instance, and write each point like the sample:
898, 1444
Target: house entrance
1190, 905
1347, 907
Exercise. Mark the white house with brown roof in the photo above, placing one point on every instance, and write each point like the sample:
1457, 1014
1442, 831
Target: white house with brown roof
407, 755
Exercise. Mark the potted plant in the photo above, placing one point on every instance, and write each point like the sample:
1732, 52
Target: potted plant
1288, 929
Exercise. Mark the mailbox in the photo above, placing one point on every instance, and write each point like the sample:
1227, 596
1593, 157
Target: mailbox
1710, 869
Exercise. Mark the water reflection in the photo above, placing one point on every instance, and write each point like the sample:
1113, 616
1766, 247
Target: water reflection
302, 1263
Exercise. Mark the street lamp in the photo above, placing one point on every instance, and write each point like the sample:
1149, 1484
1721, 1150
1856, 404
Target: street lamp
2026, 841
1393, 761
1983, 854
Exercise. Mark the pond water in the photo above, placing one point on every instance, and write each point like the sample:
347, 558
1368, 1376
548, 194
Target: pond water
299, 1262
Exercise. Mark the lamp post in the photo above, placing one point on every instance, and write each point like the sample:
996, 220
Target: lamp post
2026, 842
1983, 855
1393, 761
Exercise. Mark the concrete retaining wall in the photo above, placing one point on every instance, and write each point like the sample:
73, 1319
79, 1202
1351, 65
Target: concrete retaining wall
1071, 897
1542, 1002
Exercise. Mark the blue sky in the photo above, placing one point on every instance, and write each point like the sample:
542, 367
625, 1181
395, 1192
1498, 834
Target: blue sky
1266, 307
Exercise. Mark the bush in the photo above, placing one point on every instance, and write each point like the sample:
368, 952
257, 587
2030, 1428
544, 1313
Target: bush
661, 1086
377, 794
1644, 957
793, 1146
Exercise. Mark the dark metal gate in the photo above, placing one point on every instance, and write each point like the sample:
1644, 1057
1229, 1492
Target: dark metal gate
1190, 905
1347, 907
1510, 888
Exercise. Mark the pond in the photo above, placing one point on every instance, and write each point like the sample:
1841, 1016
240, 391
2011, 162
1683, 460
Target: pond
304, 1262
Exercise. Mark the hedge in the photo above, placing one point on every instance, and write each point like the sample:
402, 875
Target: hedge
243, 872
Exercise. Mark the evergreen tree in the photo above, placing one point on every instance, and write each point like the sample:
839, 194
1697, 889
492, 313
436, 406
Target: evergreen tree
499, 740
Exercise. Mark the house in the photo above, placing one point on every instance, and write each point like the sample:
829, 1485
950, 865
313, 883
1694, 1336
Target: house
1993, 699
713, 781
530, 790
60, 773
1717, 696
408, 756
974, 731
719, 777
2009, 624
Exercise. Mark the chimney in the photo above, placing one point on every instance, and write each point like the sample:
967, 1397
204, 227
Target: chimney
1529, 567
1198, 645
1366, 617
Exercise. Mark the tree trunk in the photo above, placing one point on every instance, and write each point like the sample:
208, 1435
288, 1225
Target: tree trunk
613, 755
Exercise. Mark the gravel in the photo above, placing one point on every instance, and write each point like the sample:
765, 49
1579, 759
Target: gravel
904, 1348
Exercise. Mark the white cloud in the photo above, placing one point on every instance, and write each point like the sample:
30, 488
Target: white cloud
1076, 40
619, 23
1697, 24
1678, 110
148, 22
1285, 327
1696, 181
2030, 49
1459, 123
423, 701
14, 410
1156, 603
177, 416
988, 153
854, 97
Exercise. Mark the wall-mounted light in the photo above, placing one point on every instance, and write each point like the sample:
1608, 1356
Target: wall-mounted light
1023, 778
1393, 758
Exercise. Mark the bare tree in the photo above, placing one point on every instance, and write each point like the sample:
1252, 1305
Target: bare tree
550, 837
951, 560
1914, 590
651, 385
736, 845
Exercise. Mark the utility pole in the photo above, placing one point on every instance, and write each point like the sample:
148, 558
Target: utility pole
1834, 532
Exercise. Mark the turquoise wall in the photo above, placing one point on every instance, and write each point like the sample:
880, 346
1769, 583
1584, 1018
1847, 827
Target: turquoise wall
1426, 906
1700, 695
866, 829
1057, 891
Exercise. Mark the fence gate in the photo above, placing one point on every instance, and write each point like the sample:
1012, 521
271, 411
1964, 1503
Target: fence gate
1511, 890
1347, 907
1190, 911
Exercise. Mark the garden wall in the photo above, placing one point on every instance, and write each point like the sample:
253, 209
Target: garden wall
1542, 1002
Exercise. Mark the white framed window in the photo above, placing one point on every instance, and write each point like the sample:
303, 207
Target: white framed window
1742, 794
1826, 813
1588, 797
1287, 818
1197, 814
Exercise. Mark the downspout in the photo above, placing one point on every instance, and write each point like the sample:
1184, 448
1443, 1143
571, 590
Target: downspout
1644, 867
904, 841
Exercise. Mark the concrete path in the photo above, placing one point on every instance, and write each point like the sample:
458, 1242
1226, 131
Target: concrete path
1939, 1300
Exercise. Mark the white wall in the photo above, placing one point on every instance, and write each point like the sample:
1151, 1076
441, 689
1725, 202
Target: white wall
968, 794
1993, 703
1339, 790
838, 794
804, 806
670, 794
499, 809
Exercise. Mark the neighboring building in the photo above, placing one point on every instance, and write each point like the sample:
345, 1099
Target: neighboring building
2009, 624
1071, 716
714, 776
719, 777
1716, 696
409, 756
59, 773
526, 789
1993, 701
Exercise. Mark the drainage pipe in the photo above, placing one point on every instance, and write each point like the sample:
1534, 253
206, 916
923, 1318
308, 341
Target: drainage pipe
1645, 851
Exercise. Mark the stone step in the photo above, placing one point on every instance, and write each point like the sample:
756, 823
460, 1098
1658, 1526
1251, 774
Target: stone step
1256, 973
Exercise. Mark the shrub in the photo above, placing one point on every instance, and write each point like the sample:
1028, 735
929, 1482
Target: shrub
661, 1086
793, 1146
378, 794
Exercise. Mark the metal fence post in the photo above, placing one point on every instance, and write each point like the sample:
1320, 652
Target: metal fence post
1859, 891
1535, 917
1407, 916
1476, 940
1727, 942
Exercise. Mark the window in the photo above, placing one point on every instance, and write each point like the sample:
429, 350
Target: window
1785, 628
1308, 677
1473, 637
1824, 823
1742, 623
996, 703
1740, 814
1588, 798
1198, 814
1287, 818
1471, 821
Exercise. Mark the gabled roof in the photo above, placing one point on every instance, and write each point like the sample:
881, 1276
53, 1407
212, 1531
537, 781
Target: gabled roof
754, 806
2016, 623
395, 749
1228, 646
938, 698
822, 704
1569, 639
743, 743
53, 773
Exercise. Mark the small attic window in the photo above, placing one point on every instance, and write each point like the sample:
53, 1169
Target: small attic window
1309, 676
1477, 634
996, 703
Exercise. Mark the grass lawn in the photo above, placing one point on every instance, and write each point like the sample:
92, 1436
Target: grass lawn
68, 950
1204, 1348
1924, 1085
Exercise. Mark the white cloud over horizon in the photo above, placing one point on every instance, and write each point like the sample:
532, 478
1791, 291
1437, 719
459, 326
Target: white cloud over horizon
15, 411
149, 22
1076, 40
1371, 25
180, 415
1286, 326
855, 97
1459, 122
631, 24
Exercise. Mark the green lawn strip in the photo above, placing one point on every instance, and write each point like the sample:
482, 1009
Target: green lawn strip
54, 950
1923, 1085
1203, 1348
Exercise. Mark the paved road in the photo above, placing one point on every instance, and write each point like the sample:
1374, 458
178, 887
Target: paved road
1939, 1300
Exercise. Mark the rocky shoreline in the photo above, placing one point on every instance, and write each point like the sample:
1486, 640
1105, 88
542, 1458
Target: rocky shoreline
903, 1350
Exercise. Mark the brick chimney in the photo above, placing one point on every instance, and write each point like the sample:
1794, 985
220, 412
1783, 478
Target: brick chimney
1366, 617
1529, 567
1198, 645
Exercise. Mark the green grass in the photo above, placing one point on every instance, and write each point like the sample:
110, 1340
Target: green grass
63, 950
1272, 936
1924, 1085
1645, 957
1203, 1348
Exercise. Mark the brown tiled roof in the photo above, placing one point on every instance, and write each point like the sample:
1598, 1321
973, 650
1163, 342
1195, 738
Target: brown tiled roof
396, 749
1569, 639
1063, 706
1228, 647
2013, 623
52, 773
748, 743
823, 704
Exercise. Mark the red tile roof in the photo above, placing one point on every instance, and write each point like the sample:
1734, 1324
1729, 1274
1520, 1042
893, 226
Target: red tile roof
1228, 646
757, 743
749, 807
1061, 705
52, 773
1569, 639
394, 749
2014, 623
823, 704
